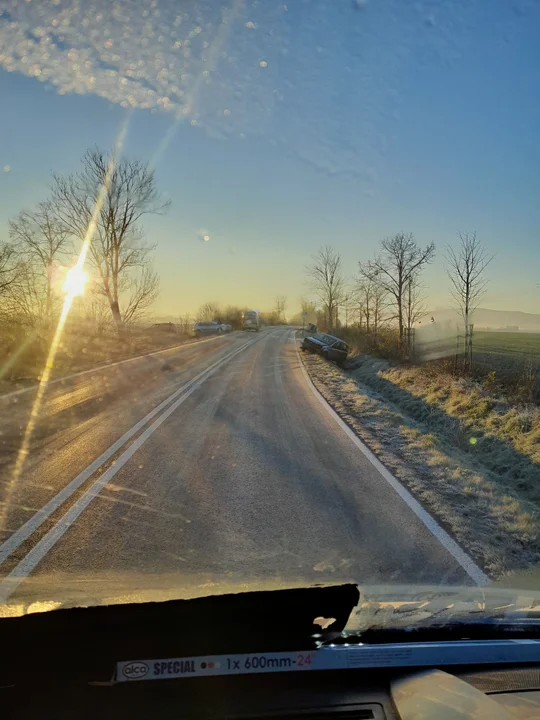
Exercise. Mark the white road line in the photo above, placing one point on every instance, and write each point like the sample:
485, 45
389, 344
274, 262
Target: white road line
470, 567
10, 583
111, 365
24, 532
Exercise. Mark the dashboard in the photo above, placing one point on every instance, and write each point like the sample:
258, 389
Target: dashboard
252, 656
348, 695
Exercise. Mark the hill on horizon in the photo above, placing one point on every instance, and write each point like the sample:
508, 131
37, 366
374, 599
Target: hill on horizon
486, 319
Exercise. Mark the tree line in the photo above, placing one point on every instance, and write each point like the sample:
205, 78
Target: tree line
98, 210
388, 291
233, 314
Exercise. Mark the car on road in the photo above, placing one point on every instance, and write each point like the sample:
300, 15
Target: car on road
328, 346
208, 328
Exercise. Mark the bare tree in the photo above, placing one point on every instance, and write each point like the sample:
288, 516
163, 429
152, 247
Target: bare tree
415, 307
97, 313
308, 306
466, 270
310, 309
24, 298
208, 312
307, 314
103, 205
234, 316
399, 263
143, 290
370, 299
281, 305
415, 304
326, 280
8, 268
42, 242
185, 324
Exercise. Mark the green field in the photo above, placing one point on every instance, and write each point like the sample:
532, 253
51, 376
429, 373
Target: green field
512, 344
514, 358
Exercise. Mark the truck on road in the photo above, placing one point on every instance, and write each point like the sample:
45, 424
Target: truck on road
251, 320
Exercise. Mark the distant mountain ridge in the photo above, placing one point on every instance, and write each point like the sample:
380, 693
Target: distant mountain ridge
492, 319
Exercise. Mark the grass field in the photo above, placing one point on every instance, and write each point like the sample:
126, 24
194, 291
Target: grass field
23, 353
513, 360
508, 343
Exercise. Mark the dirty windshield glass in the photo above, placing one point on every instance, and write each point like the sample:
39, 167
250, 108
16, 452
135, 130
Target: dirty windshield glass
189, 192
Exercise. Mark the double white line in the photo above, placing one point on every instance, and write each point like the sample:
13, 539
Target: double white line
38, 552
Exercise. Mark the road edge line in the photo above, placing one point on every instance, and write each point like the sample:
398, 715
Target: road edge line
467, 563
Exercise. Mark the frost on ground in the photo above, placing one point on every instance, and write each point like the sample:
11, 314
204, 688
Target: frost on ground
473, 461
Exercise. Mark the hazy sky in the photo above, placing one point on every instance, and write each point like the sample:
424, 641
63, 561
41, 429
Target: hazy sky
276, 128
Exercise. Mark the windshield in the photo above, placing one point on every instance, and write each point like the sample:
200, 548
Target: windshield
188, 191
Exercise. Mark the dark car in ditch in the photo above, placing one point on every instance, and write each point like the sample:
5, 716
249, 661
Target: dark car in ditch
328, 346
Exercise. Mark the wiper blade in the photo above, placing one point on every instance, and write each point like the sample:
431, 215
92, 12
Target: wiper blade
434, 608
485, 628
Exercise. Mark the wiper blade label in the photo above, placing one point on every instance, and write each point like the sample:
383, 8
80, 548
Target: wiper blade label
168, 668
474, 652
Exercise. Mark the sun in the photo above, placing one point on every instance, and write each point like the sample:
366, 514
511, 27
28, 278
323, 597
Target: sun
75, 282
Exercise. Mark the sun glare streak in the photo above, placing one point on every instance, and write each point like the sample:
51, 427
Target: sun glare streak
36, 407
73, 286
10, 362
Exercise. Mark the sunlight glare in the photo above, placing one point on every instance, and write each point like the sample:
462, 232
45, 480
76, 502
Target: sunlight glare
73, 286
75, 282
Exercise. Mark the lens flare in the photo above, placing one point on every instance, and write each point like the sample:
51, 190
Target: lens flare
73, 286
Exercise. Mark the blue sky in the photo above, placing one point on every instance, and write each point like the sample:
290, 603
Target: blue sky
288, 127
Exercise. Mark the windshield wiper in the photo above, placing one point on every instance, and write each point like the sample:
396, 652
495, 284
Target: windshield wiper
478, 626
470, 613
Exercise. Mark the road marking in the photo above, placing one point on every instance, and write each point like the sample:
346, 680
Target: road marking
24, 532
10, 583
111, 365
470, 567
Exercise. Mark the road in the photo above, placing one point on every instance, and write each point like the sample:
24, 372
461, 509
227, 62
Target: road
239, 478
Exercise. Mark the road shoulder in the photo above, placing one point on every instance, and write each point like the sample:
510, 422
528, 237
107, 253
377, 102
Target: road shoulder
489, 524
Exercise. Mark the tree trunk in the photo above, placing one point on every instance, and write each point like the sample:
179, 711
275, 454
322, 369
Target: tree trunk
117, 317
48, 298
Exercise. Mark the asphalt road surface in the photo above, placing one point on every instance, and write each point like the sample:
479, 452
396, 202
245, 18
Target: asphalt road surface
238, 477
